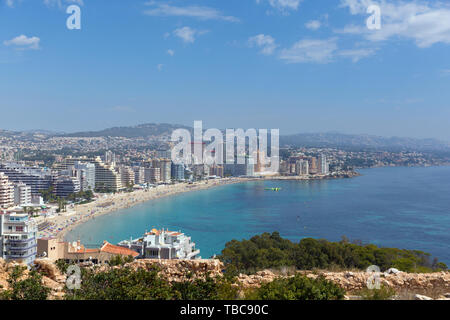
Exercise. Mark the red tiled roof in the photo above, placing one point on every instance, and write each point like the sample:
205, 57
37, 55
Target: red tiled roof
110, 248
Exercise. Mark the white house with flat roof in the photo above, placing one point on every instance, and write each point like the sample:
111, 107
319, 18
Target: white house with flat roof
163, 244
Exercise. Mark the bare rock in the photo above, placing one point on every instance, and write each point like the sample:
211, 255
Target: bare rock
348, 297
2, 265
48, 268
177, 270
349, 275
421, 297
392, 271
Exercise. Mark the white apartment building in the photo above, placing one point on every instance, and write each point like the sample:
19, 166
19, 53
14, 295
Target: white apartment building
66, 185
152, 175
86, 175
6, 192
106, 176
165, 167
139, 175
22, 195
82, 168
302, 167
323, 165
37, 178
17, 238
127, 176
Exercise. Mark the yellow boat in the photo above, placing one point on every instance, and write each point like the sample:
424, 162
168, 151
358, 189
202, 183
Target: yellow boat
273, 189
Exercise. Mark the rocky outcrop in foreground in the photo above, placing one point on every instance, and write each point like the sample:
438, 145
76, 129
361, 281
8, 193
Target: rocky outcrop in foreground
436, 284
177, 270
419, 286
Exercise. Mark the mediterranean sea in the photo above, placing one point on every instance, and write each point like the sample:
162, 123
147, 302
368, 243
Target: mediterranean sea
400, 207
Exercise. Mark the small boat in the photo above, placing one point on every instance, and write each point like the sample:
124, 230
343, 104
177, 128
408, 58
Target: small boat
273, 189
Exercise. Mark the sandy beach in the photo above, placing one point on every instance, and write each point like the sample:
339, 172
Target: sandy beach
62, 223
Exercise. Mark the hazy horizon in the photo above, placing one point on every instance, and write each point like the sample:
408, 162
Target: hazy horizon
228, 127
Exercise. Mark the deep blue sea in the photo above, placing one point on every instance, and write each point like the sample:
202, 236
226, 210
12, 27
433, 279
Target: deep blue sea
393, 207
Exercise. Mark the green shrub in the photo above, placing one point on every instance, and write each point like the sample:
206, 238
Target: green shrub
218, 288
128, 284
121, 284
297, 288
62, 265
384, 293
24, 287
119, 260
270, 251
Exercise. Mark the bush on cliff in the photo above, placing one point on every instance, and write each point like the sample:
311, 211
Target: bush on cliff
271, 251
118, 260
128, 284
297, 288
218, 288
384, 293
24, 287
121, 284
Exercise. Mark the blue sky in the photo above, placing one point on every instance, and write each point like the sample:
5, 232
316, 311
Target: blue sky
297, 65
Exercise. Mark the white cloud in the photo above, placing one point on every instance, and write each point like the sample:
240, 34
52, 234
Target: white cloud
423, 22
310, 50
265, 42
313, 24
357, 54
283, 5
170, 52
59, 3
322, 51
49, 3
199, 12
22, 42
10, 3
187, 34
159, 67
357, 6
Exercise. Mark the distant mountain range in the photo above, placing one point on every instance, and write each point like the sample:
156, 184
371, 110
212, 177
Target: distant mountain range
364, 141
320, 140
142, 130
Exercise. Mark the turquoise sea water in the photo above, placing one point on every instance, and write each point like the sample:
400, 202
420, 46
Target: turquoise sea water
394, 207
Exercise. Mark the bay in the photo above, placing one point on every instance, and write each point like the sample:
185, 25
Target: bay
398, 207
